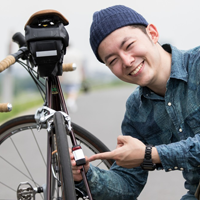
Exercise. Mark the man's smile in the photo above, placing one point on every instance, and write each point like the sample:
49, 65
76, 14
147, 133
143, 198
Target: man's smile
137, 69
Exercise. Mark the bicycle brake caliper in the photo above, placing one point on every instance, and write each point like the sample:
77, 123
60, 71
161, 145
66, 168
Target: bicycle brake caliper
43, 116
67, 119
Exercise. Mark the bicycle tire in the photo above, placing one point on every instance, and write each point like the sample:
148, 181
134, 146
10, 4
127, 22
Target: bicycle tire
67, 181
25, 124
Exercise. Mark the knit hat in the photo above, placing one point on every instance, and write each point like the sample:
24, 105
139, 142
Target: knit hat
108, 20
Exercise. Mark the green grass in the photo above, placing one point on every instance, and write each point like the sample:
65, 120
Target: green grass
20, 106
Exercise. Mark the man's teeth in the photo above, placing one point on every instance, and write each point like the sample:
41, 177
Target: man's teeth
137, 69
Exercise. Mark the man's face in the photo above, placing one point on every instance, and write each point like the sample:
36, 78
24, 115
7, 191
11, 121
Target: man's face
132, 55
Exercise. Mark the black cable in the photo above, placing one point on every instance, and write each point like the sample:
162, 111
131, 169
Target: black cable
40, 85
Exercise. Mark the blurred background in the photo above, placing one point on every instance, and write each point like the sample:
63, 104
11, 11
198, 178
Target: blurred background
177, 23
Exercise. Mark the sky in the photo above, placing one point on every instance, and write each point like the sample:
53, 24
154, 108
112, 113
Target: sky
176, 20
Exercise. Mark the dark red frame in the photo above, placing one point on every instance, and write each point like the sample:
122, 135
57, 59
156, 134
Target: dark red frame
57, 103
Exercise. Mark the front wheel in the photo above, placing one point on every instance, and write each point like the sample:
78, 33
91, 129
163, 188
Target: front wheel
23, 154
64, 161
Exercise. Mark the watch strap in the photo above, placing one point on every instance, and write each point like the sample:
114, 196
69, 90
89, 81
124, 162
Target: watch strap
147, 162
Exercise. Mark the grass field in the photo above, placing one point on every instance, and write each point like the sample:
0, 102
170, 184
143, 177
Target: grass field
21, 104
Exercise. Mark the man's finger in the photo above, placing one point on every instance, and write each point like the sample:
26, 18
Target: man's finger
102, 156
122, 139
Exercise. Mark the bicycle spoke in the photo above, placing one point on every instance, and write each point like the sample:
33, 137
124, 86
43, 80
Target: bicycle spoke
7, 186
17, 169
38, 147
31, 179
99, 163
23, 162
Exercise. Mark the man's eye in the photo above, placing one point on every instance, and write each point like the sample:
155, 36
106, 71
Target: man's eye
129, 45
112, 61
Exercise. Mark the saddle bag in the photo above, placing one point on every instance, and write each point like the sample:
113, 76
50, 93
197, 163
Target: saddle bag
47, 39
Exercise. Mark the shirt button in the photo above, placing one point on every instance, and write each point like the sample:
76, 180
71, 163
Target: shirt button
169, 104
175, 167
180, 130
181, 169
169, 169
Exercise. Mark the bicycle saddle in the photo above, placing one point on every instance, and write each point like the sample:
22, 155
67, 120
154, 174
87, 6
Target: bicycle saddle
46, 14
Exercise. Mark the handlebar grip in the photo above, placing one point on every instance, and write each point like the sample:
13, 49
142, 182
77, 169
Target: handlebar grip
69, 67
19, 39
5, 107
7, 62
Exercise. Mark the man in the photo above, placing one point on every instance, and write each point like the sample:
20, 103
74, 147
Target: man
161, 124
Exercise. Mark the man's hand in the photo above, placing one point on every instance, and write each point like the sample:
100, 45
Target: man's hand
76, 170
129, 152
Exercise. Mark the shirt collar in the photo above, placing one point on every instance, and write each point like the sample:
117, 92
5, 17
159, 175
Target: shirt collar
178, 69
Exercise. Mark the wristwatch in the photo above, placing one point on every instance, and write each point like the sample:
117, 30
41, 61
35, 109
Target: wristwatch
147, 162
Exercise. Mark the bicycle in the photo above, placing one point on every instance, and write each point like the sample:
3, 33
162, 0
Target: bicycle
43, 47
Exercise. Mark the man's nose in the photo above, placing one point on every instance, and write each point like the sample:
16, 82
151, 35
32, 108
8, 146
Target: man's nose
127, 60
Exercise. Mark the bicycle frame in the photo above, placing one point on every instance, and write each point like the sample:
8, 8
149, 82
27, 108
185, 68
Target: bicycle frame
55, 100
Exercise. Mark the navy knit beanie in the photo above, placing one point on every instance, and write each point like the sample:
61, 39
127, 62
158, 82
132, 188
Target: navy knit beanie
108, 20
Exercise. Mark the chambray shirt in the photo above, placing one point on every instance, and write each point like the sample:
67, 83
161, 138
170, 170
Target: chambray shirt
170, 123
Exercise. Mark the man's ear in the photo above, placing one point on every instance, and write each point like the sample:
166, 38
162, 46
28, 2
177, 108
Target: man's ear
153, 33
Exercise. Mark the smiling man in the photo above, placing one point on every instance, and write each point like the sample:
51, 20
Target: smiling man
161, 124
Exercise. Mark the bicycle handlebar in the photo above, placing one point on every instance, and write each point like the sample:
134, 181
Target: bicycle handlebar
19, 39
5, 107
11, 59
69, 67
6, 62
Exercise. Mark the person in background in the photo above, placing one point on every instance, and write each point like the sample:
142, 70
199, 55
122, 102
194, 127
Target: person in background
161, 124
72, 81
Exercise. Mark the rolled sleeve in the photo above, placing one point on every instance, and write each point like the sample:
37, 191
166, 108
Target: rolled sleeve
172, 157
183, 155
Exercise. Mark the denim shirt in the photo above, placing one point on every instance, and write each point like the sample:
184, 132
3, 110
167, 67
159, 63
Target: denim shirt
170, 123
